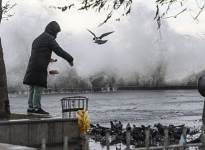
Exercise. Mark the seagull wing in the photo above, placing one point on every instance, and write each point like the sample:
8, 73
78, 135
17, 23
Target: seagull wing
105, 34
91, 33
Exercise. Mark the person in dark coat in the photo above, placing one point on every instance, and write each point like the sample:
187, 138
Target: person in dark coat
36, 73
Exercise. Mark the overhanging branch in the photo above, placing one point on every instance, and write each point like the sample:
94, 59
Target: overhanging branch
5, 10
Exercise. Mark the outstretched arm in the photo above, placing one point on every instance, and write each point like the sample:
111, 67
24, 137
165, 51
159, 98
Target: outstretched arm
60, 52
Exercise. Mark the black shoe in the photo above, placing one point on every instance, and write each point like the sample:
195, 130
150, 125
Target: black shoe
40, 111
30, 111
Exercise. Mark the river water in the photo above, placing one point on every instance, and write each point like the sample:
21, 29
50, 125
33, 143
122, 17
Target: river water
134, 106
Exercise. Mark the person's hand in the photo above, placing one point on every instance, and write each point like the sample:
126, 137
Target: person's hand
71, 64
53, 60
53, 72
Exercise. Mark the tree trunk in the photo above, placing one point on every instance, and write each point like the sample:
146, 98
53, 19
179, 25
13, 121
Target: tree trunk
4, 100
0, 10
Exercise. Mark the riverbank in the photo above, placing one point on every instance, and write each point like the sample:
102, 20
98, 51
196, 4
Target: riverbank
108, 88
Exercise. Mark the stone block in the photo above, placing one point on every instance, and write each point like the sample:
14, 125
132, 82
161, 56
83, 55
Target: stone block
4, 146
32, 132
51, 133
58, 132
19, 134
5, 135
38, 132
70, 130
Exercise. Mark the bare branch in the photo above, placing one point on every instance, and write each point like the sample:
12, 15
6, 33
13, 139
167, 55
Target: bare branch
169, 3
201, 9
108, 17
200, 36
6, 10
176, 14
98, 5
197, 3
0, 13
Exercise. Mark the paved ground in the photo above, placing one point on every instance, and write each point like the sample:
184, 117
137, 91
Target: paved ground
4, 146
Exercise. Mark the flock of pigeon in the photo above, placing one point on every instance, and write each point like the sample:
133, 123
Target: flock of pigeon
118, 134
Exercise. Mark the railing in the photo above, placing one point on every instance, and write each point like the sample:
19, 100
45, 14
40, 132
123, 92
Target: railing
166, 145
182, 146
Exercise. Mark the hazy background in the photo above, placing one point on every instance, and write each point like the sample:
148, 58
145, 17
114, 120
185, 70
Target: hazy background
135, 54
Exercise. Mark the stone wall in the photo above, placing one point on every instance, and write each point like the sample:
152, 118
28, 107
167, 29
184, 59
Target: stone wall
31, 132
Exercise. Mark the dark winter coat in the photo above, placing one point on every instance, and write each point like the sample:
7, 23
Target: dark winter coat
42, 48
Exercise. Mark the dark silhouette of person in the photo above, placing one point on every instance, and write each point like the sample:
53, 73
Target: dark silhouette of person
37, 69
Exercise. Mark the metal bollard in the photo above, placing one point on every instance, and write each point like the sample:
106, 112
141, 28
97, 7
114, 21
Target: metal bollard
147, 133
183, 139
128, 140
202, 137
65, 143
107, 136
184, 134
166, 138
43, 146
86, 142
203, 114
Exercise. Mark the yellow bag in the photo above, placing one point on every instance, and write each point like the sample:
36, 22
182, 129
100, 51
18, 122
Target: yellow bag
83, 121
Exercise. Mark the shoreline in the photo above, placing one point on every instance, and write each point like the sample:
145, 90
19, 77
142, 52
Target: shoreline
159, 87
108, 89
123, 88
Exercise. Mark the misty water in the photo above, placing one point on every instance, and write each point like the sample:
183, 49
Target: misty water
136, 54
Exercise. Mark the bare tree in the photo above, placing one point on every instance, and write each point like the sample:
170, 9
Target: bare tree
99, 5
182, 6
4, 100
163, 8
3, 80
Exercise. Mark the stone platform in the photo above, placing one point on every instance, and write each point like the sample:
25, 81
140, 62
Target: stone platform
4, 146
31, 132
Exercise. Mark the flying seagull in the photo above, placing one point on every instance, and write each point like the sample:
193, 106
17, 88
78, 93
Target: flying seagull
99, 40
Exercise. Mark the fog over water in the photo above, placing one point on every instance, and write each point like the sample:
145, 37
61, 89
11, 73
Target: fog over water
134, 55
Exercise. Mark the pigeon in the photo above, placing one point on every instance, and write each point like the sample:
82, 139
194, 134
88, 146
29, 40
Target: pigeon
99, 40
119, 125
128, 127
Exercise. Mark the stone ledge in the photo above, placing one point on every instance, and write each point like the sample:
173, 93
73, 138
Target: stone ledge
31, 131
42, 120
4, 146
